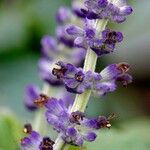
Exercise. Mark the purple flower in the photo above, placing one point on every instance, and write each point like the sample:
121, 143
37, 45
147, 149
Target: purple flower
31, 94
49, 47
82, 36
45, 72
63, 15
36, 141
76, 7
75, 79
99, 122
107, 43
63, 37
88, 37
74, 127
110, 75
57, 114
45, 65
104, 9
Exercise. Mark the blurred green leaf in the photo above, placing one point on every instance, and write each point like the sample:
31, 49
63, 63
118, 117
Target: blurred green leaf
133, 136
10, 131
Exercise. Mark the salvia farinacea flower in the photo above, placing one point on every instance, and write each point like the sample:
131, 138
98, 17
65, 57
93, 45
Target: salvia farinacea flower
34, 141
114, 10
34, 99
74, 127
88, 35
77, 81
31, 93
77, 5
103, 43
109, 77
63, 15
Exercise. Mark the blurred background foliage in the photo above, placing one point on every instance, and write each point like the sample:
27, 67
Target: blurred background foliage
23, 23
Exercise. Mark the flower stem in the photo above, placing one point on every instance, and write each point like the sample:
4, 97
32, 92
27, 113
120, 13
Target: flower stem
81, 100
37, 125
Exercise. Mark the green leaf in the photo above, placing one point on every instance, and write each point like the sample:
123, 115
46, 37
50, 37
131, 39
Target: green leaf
10, 131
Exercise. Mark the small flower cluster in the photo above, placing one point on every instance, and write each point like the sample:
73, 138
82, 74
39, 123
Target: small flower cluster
88, 37
74, 127
114, 10
35, 141
77, 81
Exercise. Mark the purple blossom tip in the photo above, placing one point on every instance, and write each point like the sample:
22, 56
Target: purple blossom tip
74, 30
71, 132
126, 10
91, 136
63, 15
31, 93
63, 37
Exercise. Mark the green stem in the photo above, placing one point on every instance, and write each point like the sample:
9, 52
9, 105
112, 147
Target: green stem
81, 100
39, 123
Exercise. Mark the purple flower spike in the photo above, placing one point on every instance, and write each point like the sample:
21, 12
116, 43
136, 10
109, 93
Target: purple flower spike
35, 141
31, 94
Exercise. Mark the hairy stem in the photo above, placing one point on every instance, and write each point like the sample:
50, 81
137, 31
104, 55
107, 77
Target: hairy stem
81, 100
